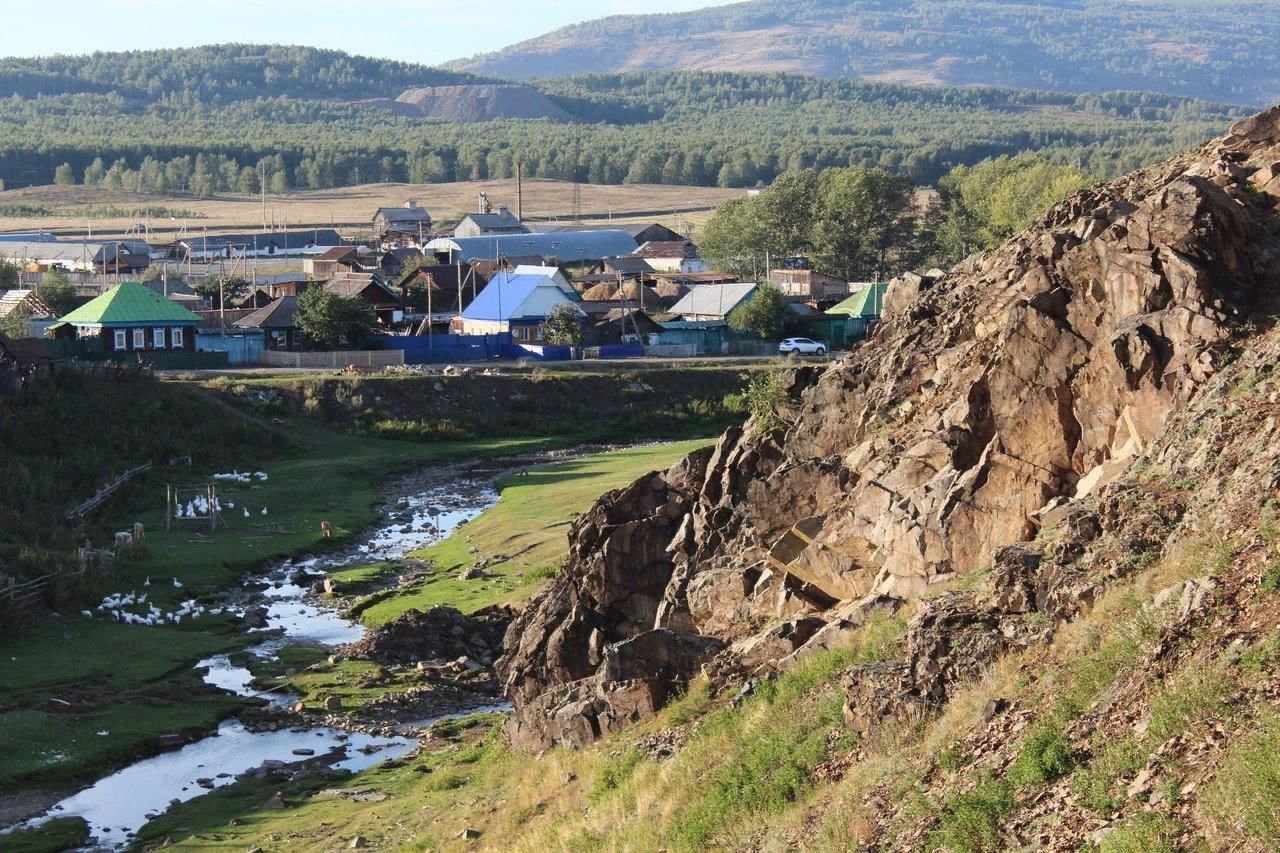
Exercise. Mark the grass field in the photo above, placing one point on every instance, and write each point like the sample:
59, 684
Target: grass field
350, 209
524, 537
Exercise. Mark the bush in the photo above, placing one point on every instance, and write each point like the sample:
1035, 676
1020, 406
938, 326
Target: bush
971, 821
1045, 756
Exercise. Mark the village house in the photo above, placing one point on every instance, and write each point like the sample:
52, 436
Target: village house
132, 318
257, 244
401, 225
332, 261
484, 222
809, 284
111, 256
517, 302
641, 233
276, 322
713, 302
439, 287
566, 247
671, 256
387, 308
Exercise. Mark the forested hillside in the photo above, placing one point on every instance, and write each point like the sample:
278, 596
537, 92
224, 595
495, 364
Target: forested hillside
1196, 48
218, 73
219, 119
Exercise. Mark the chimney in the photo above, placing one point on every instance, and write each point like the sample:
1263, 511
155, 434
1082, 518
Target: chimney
483, 205
504, 210
411, 204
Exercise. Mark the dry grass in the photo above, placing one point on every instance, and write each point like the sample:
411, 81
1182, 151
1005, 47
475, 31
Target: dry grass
350, 209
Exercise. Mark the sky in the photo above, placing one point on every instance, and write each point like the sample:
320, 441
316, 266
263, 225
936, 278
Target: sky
425, 31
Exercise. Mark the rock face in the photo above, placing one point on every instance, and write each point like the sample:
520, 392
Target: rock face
988, 399
441, 633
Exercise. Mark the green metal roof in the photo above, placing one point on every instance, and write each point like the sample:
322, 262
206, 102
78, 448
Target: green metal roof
130, 304
868, 302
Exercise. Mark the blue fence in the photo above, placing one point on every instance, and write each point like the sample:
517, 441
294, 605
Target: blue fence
240, 348
439, 349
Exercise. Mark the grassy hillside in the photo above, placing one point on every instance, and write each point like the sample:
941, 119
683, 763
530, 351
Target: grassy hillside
1225, 51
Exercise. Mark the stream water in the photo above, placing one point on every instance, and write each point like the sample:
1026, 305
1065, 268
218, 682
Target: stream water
426, 507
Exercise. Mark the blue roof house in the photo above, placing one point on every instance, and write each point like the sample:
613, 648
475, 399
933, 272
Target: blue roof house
517, 302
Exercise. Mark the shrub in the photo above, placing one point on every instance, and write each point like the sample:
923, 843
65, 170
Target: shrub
971, 821
1046, 755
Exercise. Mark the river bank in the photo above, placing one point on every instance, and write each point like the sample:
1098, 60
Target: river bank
288, 610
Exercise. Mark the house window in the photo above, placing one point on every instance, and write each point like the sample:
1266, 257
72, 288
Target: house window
157, 338
120, 339
139, 338
177, 337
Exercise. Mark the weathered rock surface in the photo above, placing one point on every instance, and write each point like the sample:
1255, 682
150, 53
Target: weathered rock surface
990, 403
441, 633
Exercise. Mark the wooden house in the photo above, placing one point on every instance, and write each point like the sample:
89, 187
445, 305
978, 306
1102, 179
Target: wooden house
332, 261
401, 225
517, 302
387, 308
276, 321
131, 317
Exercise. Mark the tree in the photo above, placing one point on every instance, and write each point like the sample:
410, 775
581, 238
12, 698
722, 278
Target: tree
763, 315
983, 205
63, 175
864, 220
734, 239
211, 289
9, 275
329, 320
563, 325
57, 291
94, 172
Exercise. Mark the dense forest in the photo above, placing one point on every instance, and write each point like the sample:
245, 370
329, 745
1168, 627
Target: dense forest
222, 130
1221, 49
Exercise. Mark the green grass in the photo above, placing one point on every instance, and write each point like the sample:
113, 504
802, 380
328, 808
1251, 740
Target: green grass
1243, 801
1142, 833
64, 833
524, 536
971, 821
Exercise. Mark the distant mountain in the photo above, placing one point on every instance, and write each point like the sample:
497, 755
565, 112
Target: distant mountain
219, 74
1226, 50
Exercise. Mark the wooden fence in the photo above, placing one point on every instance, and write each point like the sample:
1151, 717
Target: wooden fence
338, 359
29, 592
106, 492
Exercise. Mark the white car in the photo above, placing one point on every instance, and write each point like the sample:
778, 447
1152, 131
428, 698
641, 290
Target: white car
797, 346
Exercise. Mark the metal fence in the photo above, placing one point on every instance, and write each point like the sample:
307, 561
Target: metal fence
334, 359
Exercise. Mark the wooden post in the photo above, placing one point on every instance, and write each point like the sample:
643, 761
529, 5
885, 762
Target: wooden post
168, 507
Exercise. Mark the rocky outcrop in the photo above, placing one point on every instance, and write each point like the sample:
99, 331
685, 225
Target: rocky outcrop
472, 103
440, 633
990, 403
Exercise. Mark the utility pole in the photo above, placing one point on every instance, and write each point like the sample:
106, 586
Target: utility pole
519, 191
262, 181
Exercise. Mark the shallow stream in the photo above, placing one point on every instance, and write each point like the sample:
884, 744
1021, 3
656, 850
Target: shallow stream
425, 508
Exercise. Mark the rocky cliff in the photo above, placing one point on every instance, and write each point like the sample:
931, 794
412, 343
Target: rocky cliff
996, 401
